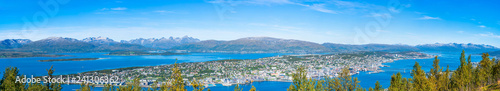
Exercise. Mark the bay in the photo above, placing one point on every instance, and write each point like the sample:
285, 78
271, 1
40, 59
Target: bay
31, 66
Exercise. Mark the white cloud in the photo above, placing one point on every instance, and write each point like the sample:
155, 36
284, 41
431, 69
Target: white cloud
430, 18
489, 34
383, 15
104, 9
482, 26
119, 8
319, 7
392, 9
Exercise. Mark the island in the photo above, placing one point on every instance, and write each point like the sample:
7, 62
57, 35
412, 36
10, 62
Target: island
138, 53
71, 59
14, 54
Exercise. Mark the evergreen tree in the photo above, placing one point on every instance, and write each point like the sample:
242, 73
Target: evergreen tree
496, 71
395, 82
299, 80
420, 81
52, 86
485, 70
378, 87
108, 87
197, 86
237, 88
8, 82
178, 83
88, 87
458, 79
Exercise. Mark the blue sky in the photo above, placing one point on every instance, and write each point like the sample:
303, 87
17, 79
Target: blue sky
336, 21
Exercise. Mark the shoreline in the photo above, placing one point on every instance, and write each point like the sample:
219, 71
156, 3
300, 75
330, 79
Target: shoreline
427, 56
70, 59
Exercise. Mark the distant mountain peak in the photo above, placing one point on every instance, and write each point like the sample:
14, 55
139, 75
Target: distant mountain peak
100, 40
13, 43
56, 39
253, 44
456, 46
162, 43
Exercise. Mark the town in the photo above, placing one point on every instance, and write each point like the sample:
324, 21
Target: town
278, 68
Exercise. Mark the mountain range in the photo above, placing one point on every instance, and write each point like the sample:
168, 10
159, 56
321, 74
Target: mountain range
190, 44
13, 43
457, 47
162, 43
369, 47
253, 44
63, 45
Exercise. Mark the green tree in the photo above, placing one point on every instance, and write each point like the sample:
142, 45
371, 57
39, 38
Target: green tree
299, 80
86, 87
458, 79
398, 83
8, 82
108, 87
131, 86
177, 83
378, 87
420, 81
197, 86
52, 86
485, 66
237, 88
496, 71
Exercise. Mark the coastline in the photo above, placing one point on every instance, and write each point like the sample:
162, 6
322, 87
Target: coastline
70, 59
288, 80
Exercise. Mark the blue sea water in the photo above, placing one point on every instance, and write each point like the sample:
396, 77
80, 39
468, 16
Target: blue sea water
30, 66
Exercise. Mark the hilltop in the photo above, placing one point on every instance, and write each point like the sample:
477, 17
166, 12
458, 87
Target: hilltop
456, 46
162, 43
70, 45
253, 44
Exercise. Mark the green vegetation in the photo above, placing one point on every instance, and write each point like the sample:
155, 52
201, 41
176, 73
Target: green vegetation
136, 53
342, 83
483, 77
71, 59
7, 83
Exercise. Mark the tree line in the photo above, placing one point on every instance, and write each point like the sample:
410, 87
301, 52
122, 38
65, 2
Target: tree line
485, 76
